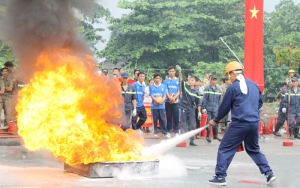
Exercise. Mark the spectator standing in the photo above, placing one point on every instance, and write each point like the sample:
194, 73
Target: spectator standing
129, 95
147, 97
121, 70
189, 101
135, 74
292, 74
105, 72
116, 72
281, 116
291, 102
206, 79
140, 108
6, 96
197, 89
158, 95
172, 102
210, 104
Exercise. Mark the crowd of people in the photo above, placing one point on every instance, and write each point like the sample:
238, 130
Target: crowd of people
176, 103
179, 107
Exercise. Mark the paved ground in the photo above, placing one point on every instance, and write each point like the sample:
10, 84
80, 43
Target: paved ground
21, 168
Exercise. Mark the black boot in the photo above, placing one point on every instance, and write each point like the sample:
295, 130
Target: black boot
208, 139
291, 134
296, 133
216, 133
192, 141
277, 133
218, 138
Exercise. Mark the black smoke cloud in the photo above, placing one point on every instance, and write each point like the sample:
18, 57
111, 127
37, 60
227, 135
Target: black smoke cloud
32, 26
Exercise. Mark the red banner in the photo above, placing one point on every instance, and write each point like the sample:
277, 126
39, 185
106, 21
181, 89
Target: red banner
254, 63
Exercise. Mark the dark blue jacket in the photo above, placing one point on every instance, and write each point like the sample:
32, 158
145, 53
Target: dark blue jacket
294, 104
211, 98
190, 98
244, 108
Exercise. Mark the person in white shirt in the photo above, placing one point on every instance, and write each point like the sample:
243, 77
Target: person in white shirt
147, 97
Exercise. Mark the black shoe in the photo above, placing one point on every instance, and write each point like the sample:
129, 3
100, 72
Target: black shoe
208, 139
291, 137
277, 134
217, 181
193, 144
297, 136
216, 137
270, 178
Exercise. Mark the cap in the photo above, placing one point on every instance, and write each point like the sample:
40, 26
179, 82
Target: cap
213, 77
105, 71
224, 78
294, 79
125, 75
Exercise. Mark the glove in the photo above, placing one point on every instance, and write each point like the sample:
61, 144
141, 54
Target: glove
178, 68
199, 115
134, 112
283, 110
204, 111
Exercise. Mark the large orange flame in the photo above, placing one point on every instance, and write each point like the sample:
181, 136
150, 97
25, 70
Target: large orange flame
68, 109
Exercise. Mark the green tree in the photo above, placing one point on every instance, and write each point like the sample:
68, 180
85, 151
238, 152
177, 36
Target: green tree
5, 49
217, 68
282, 35
159, 33
88, 30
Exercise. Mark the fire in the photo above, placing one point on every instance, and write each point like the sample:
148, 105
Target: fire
69, 110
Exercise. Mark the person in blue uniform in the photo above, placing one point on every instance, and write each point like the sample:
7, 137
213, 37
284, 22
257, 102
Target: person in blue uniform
158, 95
172, 101
128, 92
140, 108
291, 104
210, 104
244, 99
281, 116
189, 101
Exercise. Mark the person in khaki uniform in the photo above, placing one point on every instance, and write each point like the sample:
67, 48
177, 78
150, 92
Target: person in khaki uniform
14, 93
6, 96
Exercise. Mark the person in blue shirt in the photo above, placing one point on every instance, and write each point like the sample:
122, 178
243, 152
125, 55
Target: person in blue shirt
158, 95
172, 101
244, 99
140, 108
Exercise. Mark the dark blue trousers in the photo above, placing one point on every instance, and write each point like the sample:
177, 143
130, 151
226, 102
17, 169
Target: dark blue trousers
141, 113
159, 114
172, 112
236, 133
280, 121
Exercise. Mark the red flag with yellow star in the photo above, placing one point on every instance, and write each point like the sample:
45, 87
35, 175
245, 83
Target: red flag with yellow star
253, 49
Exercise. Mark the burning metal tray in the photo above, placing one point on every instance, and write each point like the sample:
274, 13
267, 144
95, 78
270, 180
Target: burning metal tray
110, 169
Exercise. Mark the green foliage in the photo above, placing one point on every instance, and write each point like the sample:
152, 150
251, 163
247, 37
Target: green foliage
162, 33
88, 30
282, 37
217, 69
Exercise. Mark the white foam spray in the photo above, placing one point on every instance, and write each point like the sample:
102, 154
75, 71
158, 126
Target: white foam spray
157, 150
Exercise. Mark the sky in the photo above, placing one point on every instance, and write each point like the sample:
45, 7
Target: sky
269, 5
